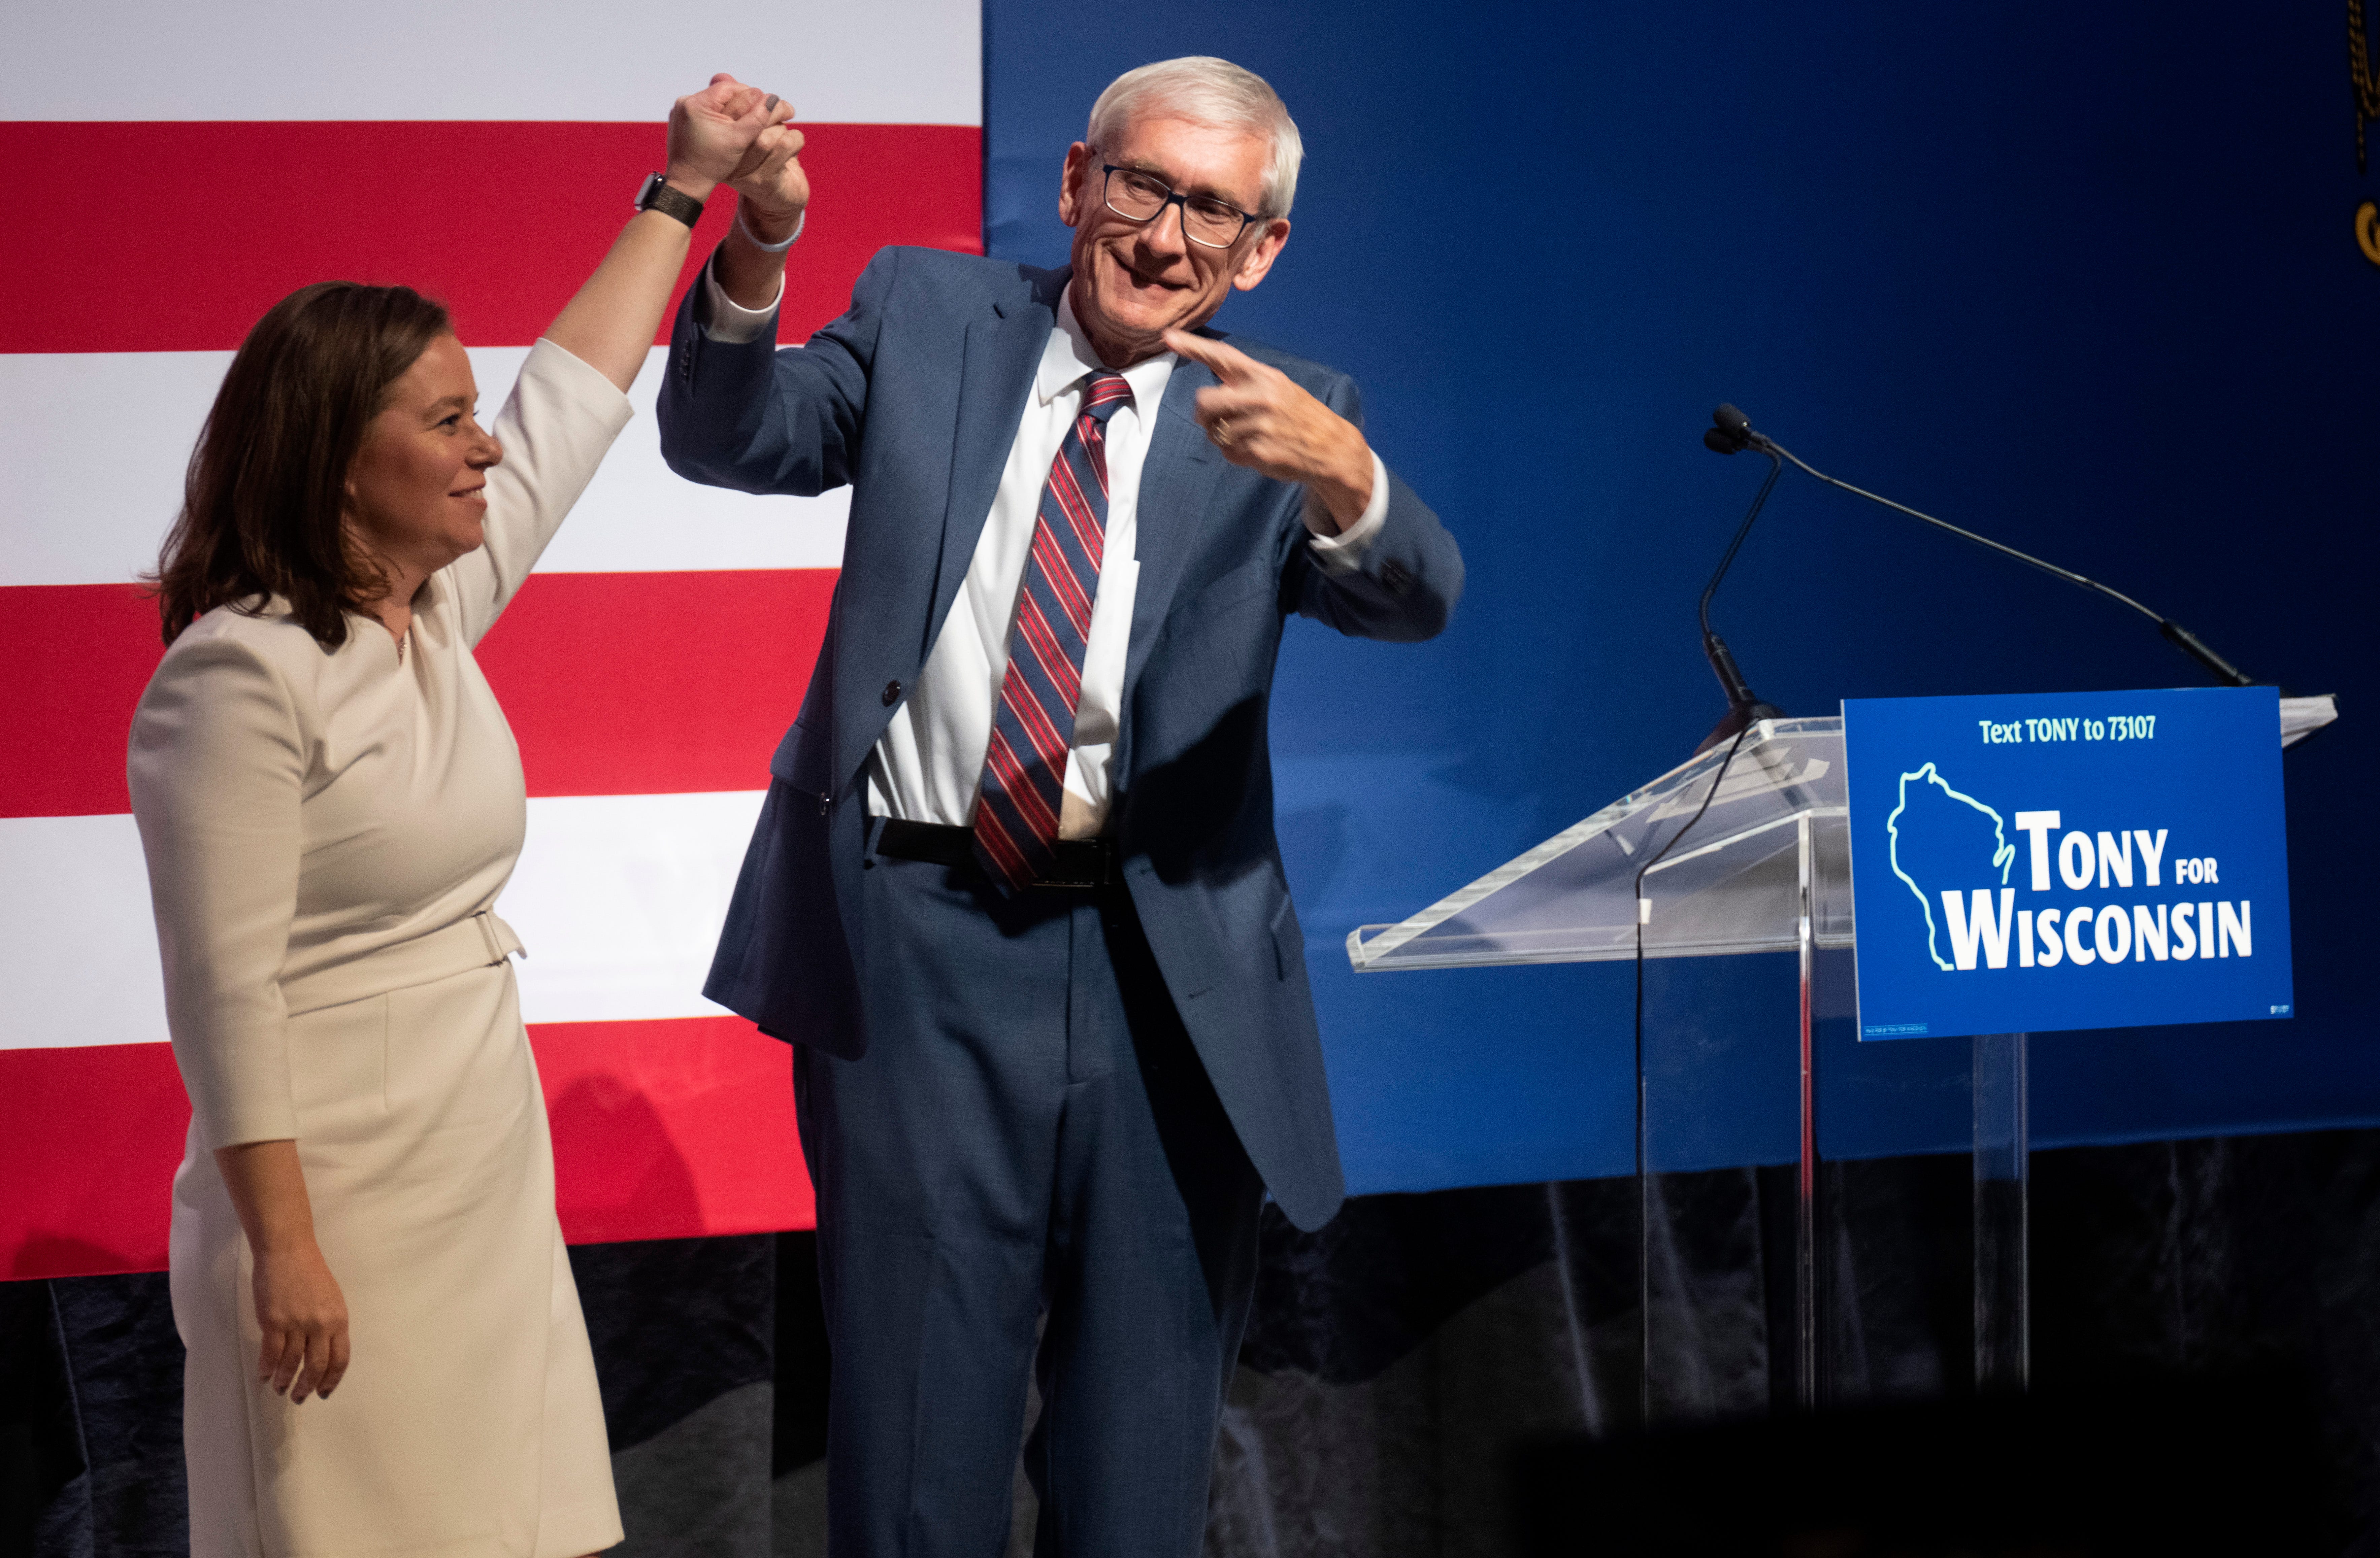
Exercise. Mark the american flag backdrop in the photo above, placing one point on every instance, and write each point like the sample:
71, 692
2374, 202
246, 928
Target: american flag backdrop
181, 168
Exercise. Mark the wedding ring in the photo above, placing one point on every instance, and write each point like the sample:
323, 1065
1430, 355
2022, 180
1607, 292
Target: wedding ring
1222, 432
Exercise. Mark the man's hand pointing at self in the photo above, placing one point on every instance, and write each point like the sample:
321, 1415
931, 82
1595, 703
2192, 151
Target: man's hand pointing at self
1261, 419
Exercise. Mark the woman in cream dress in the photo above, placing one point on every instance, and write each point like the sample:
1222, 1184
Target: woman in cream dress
330, 800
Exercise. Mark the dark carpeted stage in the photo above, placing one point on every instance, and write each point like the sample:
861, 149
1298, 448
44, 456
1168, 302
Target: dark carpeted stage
1399, 1357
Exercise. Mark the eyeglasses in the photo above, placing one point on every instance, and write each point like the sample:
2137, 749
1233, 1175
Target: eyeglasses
1139, 197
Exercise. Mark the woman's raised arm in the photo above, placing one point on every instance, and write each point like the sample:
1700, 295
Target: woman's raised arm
726, 131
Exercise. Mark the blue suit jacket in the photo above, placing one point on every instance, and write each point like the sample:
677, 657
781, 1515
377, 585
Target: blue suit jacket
913, 398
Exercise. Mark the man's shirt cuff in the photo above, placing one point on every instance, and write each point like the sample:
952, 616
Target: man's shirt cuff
724, 319
1344, 553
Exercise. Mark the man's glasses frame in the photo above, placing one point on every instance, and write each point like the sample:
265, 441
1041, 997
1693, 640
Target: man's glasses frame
1175, 198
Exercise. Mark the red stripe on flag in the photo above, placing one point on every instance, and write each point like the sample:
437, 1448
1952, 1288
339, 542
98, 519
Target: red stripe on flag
81, 655
670, 1129
88, 1157
501, 220
616, 683
655, 683
661, 1130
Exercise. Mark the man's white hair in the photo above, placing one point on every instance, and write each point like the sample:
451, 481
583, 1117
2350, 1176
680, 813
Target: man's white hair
1207, 90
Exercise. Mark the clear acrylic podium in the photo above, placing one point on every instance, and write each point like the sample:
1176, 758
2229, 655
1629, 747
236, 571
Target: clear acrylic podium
1765, 868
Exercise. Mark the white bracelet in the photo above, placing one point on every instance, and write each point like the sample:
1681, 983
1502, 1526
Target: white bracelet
771, 248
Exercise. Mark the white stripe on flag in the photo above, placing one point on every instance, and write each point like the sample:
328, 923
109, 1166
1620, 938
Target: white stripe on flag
98, 443
888, 62
78, 945
618, 897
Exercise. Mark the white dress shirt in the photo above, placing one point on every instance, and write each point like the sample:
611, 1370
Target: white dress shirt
928, 764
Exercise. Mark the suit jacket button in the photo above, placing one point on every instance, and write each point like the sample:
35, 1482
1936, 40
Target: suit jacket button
1394, 575
891, 693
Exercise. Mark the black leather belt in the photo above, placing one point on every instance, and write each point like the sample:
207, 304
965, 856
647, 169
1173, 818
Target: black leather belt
1082, 863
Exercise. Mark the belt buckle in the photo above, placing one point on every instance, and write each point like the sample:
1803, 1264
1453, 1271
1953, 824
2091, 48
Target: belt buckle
486, 920
1074, 880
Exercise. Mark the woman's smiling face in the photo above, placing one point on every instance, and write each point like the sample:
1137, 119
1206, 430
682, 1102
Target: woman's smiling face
417, 494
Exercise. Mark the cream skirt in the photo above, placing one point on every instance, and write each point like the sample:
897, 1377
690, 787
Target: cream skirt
468, 1423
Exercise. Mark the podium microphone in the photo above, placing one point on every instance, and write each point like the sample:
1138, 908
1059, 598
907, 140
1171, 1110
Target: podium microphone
1731, 432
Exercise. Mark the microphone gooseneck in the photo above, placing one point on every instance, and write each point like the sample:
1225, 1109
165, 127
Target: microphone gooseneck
1731, 431
1728, 434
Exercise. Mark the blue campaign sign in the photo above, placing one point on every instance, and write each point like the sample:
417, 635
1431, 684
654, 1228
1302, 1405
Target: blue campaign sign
2073, 860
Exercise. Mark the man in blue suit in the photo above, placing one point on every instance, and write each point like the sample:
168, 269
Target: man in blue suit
1014, 896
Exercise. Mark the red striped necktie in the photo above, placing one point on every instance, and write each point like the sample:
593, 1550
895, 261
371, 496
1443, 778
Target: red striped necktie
1033, 728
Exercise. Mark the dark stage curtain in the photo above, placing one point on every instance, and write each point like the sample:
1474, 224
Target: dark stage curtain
1396, 1356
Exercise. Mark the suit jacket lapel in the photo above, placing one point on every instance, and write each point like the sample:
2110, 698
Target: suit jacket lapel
1175, 481
1001, 353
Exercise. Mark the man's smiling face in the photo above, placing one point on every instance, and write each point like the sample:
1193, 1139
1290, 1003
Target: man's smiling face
1135, 280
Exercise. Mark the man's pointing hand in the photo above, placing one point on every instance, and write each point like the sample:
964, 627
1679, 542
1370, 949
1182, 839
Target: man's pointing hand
1261, 419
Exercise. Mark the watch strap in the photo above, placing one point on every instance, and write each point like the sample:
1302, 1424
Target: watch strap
657, 195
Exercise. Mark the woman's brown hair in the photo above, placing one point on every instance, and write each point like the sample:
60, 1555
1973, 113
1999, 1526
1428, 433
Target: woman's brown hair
263, 503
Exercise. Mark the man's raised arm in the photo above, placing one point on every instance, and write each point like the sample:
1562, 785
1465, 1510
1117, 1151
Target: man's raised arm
734, 412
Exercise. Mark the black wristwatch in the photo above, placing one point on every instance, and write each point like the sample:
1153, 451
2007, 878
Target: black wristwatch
657, 195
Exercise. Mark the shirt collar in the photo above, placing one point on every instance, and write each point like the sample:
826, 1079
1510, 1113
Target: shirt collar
1070, 357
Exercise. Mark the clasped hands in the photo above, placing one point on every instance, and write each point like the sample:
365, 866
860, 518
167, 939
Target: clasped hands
1263, 419
741, 137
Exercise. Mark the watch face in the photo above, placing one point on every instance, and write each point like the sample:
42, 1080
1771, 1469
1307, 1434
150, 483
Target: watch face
645, 190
